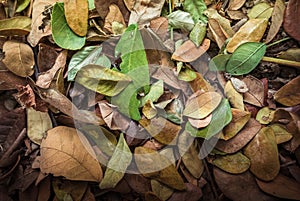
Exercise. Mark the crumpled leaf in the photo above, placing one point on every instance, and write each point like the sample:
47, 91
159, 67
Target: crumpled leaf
160, 190
76, 13
289, 94
102, 80
156, 166
201, 105
265, 115
117, 165
291, 16
61, 32
19, 58
245, 58
63, 154
235, 164
19, 25
252, 31
281, 133
255, 94
156, 90
263, 153
38, 123
181, 20
196, 9
260, 10
143, 11
188, 51
234, 97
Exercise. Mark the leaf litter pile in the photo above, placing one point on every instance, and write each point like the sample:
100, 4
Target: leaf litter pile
149, 100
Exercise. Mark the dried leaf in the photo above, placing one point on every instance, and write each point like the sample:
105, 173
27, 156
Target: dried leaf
192, 193
236, 4
160, 27
10, 81
200, 123
63, 154
234, 97
217, 32
290, 54
239, 85
265, 115
64, 188
181, 20
76, 12
255, 95
19, 58
260, 10
201, 105
235, 164
117, 165
25, 96
252, 31
188, 51
149, 110
114, 15
277, 20
288, 95
19, 25
46, 57
200, 84
281, 133
291, 16
263, 153
160, 190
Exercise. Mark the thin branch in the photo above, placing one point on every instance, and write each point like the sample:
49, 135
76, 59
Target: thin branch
282, 61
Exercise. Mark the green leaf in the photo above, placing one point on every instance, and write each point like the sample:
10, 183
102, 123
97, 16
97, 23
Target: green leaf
187, 75
220, 118
19, 25
245, 58
218, 63
156, 90
85, 56
21, 5
117, 165
196, 9
260, 10
102, 80
91, 4
181, 20
135, 65
61, 32
198, 33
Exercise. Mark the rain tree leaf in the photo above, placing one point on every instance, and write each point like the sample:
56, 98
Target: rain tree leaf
63, 154
245, 58
196, 9
85, 56
61, 32
290, 17
19, 58
19, 25
156, 90
76, 13
117, 164
220, 118
102, 80
218, 63
21, 5
289, 94
260, 10
135, 65
181, 20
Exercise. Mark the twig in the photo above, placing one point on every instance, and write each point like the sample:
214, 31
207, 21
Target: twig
214, 189
282, 61
279, 41
16, 143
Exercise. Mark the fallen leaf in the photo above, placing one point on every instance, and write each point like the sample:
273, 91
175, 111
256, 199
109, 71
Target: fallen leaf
288, 95
114, 15
281, 133
10, 81
62, 154
282, 187
265, 115
255, 95
187, 74
260, 10
200, 105
196, 9
21, 5
25, 96
198, 33
117, 165
241, 139
200, 123
192, 193
19, 25
76, 13
239, 85
235, 163
290, 54
181, 20
252, 31
64, 188
236, 4
162, 171
219, 62
234, 97
217, 32
156, 90
19, 58
46, 57
149, 110
160, 27
200, 84
290, 17
188, 51
277, 20
236, 15
263, 154
138, 182
150, 196
160, 190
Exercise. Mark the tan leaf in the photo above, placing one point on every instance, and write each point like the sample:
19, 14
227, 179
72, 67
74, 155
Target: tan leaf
129, 4
188, 51
289, 94
235, 4
281, 133
102, 7
255, 94
76, 13
263, 154
200, 84
252, 31
19, 58
234, 97
236, 15
149, 110
282, 187
200, 123
217, 32
19, 25
200, 105
63, 154
160, 27
114, 15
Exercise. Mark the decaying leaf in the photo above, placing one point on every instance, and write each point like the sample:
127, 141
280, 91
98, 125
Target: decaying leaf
291, 16
234, 97
10, 81
289, 94
255, 95
239, 85
265, 115
63, 154
19, 25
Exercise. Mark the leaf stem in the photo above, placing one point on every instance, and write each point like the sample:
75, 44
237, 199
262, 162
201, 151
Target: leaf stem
171, 28
279, 41
282, 61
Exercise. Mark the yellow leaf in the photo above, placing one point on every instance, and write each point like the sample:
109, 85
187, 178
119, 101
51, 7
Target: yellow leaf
234, 97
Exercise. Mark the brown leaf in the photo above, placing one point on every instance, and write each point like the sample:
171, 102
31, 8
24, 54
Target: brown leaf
200, 123
114, 15
19, 25
282, 187
255, 95
160, 190
200, 84
265, 115
10, 81
63, 188
188, 51
290, 17
160, 27
241, 139
277, 19
102, 7
63, 154
25, 96
252, 31
138, 182
150, 196
19, 58
46, 57
289, 95
234, 97
281, 133
192, 193
217, 32
236, 4
263, 153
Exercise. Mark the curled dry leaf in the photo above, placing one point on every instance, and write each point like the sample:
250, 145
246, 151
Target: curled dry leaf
291, 16
234, 97
263, 153
19, 25
19, 58
289, 95
255, 94
188, 51
63, 154
252, 31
